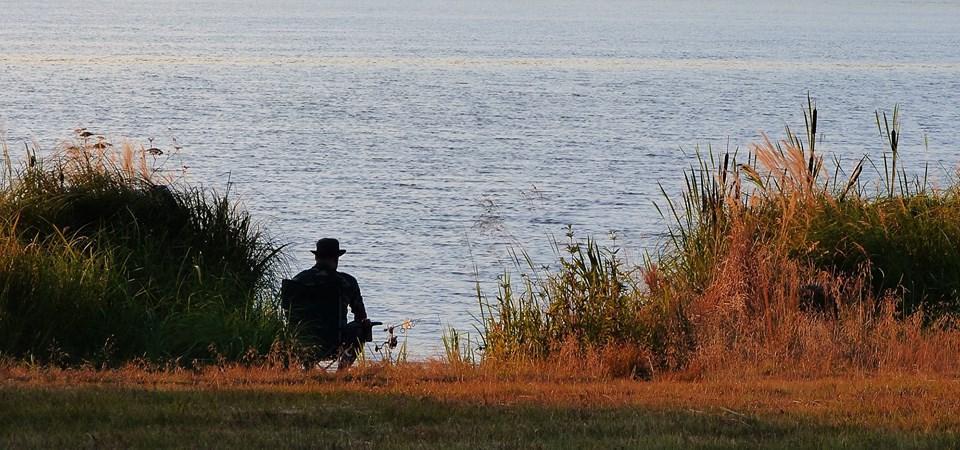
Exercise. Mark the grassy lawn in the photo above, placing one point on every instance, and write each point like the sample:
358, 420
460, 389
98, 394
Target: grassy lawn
425, 413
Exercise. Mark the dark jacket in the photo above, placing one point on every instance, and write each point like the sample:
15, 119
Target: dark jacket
348, 290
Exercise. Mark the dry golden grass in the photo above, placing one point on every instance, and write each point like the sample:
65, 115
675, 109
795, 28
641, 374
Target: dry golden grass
907, 402
778, 270
748, 311
130, 160
749, 320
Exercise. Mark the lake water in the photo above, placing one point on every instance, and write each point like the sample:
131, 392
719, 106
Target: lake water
431, 136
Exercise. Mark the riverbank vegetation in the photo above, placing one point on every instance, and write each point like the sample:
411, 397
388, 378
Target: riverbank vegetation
104, 258
797, 303
779, 262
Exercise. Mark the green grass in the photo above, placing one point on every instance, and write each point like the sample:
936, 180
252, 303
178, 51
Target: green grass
592, 301
907, 244
143, 418
103, 260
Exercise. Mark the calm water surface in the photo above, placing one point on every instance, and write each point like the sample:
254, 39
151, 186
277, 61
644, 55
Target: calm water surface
431, 136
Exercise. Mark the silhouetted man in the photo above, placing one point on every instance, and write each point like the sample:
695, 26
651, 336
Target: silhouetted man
318, 301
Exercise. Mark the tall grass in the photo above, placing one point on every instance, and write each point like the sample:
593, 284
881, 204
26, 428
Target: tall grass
592, 306
104, 259
776, 260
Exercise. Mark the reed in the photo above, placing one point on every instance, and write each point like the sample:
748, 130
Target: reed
591, 308
459, 349
104, 259
776, 260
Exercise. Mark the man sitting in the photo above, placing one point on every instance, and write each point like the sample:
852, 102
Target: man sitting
317, 301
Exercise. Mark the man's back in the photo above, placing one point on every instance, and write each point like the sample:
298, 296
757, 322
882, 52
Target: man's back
330, 285
313, 304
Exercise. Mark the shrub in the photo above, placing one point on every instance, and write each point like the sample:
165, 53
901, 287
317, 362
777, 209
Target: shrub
102, 258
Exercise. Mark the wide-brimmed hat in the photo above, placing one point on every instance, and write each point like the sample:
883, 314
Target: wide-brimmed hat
328, 247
